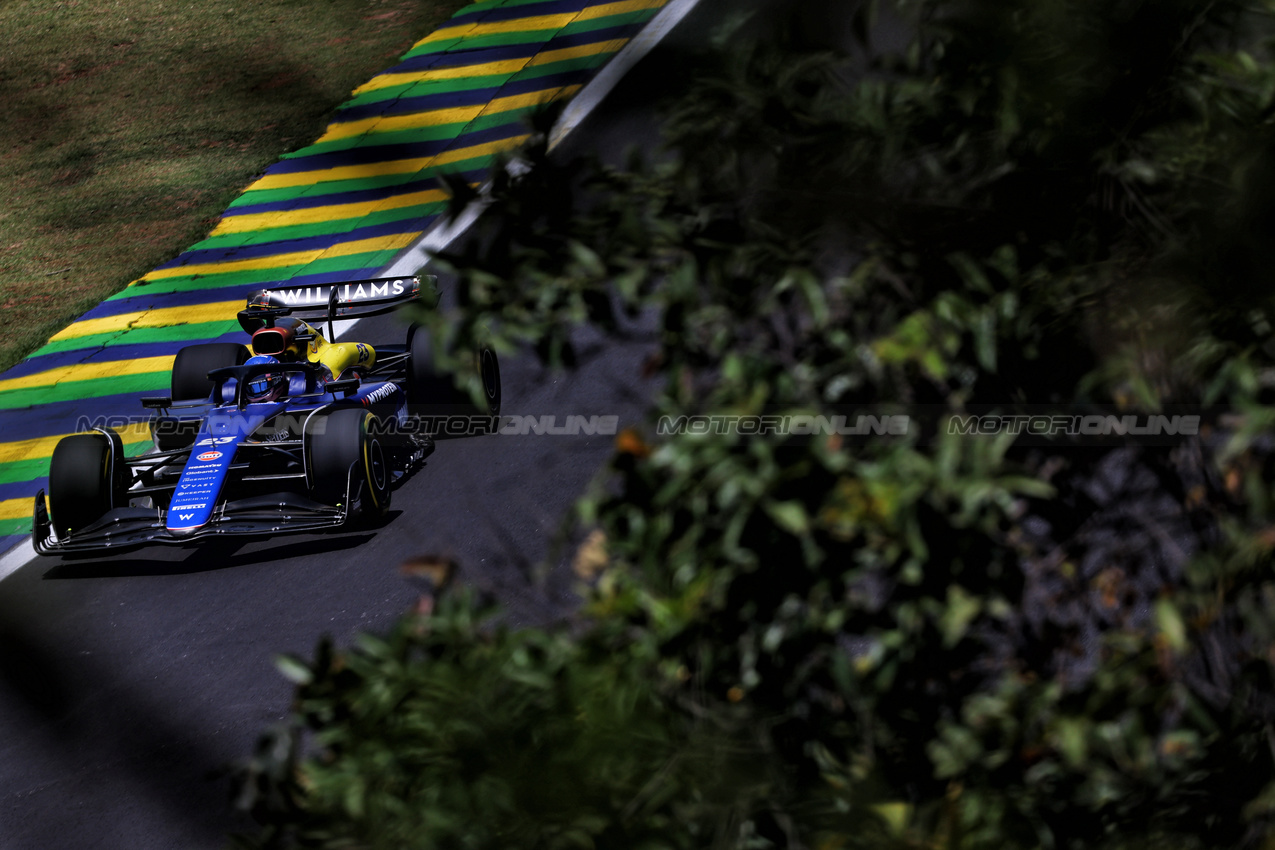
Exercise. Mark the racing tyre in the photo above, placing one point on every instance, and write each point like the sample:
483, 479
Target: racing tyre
429, 392
84, 481
489, 376
434, 396
435, 393
349, 437
194, 362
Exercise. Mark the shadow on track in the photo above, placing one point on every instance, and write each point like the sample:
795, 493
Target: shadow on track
208, 556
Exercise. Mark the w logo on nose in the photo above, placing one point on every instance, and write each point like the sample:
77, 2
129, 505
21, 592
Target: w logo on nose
185, 516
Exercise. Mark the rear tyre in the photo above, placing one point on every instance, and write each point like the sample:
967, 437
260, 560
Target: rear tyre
349, 438
194, 362
489, 377
432, 394
429, 392
84, 481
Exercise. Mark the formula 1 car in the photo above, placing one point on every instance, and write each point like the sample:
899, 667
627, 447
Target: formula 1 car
292, 432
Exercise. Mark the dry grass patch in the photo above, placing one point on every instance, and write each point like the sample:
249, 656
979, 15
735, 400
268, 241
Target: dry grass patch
130, 125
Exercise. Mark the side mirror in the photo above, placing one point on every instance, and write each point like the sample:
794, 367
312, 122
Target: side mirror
346, 385
157, 403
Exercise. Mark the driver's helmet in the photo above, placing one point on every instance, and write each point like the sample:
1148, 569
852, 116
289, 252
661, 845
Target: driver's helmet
268, 386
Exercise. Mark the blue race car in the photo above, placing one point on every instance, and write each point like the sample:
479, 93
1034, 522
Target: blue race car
292, 432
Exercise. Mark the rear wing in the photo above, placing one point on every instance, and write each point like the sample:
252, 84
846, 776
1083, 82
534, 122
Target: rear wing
331, 302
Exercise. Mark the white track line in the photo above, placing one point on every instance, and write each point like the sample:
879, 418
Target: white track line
586, 100
17, 557
439, 237
414, 258
611, 74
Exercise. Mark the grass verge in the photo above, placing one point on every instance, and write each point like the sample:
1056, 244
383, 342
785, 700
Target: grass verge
130, 125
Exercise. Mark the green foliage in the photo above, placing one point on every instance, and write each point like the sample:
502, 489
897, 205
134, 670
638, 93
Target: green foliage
452, 731
443, 734
935, 638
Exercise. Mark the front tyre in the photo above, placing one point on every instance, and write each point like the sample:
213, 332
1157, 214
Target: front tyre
345, 439
84, 481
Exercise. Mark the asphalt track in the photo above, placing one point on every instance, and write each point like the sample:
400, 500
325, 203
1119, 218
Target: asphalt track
139, 675
127, 684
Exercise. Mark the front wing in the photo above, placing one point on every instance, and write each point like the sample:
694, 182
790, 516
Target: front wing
129, 527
